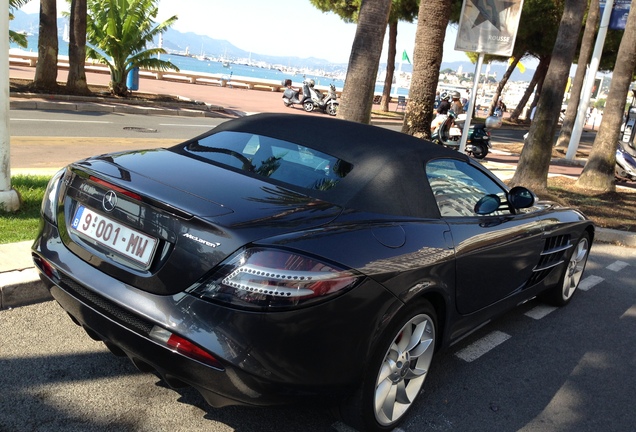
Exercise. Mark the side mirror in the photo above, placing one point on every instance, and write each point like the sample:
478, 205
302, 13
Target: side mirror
520, 197
487, 204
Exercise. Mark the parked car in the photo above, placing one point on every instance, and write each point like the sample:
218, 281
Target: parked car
284, 257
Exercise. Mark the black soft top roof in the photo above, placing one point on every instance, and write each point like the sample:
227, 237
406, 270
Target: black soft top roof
388, 173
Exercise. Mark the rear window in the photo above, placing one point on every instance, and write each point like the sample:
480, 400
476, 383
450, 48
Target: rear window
272, 158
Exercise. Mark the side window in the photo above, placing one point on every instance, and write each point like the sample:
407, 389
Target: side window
458, 186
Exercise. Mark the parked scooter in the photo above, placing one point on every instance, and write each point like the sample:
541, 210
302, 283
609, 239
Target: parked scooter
326, 103
293, 97
625, 162
449, 135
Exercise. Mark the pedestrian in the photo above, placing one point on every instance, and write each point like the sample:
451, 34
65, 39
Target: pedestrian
442, 111
456, 104
501, 108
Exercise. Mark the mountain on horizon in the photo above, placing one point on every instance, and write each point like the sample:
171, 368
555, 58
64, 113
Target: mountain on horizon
196, 44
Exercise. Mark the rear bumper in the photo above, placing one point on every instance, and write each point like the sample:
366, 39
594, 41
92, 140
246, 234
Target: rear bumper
267, 358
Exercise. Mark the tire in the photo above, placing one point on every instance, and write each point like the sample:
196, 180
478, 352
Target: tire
332, 109
480, 150
395, 373
308, 106
562, 293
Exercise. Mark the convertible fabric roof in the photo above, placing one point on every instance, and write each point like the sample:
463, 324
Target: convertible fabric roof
388, 173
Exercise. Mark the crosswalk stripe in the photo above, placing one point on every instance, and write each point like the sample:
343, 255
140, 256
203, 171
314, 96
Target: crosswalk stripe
482, 346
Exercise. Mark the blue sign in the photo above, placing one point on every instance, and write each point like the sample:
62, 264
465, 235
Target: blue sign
618, 19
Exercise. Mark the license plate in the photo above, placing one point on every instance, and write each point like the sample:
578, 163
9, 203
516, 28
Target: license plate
115, 236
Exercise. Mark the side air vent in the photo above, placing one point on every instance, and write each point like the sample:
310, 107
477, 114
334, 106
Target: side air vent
552, 255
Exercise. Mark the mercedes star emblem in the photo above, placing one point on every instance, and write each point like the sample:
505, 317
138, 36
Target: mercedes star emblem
110, 201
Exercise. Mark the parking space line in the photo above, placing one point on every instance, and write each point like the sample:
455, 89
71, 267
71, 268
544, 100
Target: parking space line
617, 266
630, 313
482, 346
540, 311
589, 282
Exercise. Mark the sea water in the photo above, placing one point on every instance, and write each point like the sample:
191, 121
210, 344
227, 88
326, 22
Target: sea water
193, 64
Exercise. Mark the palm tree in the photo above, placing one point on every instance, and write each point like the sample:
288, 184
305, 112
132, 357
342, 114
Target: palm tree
118, 33
357, 94
432, 20
46, 67
585, 53
534, 161
76, 80
598, 173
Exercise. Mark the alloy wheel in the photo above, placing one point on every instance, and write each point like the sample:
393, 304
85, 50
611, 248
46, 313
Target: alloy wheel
575, 268
404, 369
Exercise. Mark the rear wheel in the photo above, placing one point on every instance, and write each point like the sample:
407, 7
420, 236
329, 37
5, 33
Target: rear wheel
561, 294
396, 373
480, 150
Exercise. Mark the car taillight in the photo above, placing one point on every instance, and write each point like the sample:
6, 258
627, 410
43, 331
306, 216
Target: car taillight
267, 279
49, 203
183, 346
116, 188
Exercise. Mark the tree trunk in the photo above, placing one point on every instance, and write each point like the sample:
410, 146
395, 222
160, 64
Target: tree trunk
534, 162
357, 95
76, 81
538, 77
587, 44
502, 84
390, 66
432, 21
46, 67
598, 173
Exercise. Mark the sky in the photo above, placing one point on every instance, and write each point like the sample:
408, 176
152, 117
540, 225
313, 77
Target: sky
277, 27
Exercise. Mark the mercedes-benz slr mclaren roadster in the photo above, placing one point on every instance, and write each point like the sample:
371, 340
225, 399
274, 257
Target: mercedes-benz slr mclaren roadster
281, 257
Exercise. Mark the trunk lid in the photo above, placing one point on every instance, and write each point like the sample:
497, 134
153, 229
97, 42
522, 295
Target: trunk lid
176, 217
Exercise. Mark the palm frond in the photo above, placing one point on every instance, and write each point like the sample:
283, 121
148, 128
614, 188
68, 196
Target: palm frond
120, 32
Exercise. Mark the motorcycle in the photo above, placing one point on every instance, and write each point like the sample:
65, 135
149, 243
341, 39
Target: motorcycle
625, 162
326, 103
448, 134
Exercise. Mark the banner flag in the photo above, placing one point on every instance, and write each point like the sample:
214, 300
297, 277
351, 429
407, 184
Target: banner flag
405, 57
520, 66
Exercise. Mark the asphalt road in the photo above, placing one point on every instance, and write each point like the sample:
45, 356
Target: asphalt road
534, 369
44, 141
36, 123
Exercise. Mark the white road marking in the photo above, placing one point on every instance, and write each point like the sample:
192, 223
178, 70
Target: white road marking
482, 346
630, 313
186, 125
617, 266
61, 121
589, 282
540, 311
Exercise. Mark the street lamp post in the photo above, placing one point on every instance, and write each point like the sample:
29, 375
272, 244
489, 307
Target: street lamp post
9, 199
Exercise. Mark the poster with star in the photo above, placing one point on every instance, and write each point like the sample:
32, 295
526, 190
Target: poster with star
489, 26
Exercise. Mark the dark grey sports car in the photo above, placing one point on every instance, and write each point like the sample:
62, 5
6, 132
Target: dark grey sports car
279, 257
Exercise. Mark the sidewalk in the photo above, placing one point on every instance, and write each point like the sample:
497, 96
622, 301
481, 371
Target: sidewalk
19, 283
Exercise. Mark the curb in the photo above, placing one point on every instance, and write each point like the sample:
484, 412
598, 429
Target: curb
24, 287
90, 104
21, 288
